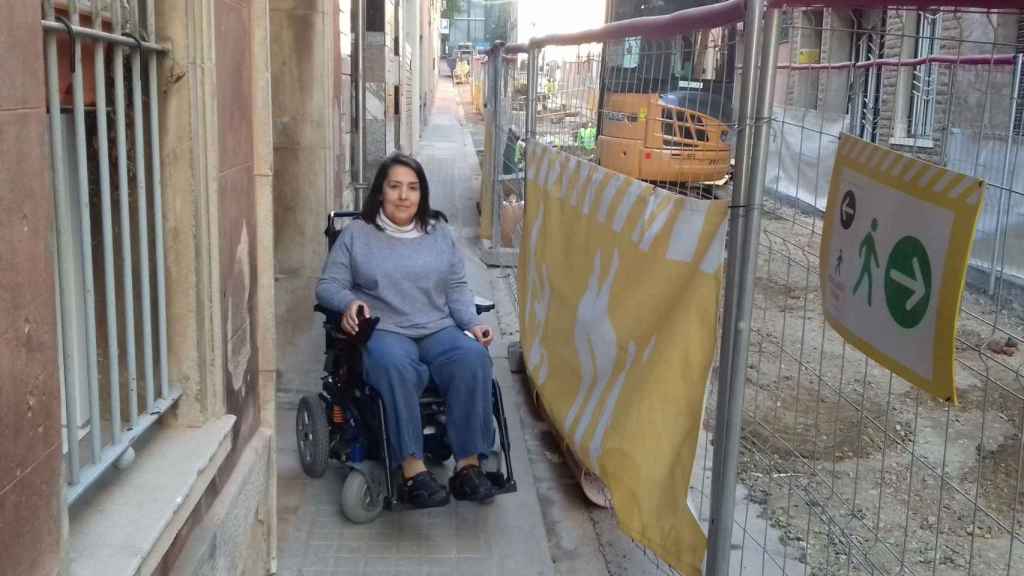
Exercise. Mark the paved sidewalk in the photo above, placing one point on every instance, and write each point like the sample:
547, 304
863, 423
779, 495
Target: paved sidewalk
505, 538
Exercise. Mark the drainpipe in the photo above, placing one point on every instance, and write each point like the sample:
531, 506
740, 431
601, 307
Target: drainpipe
360, 163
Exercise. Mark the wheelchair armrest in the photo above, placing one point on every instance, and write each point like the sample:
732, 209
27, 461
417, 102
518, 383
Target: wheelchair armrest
333, 321
482, 305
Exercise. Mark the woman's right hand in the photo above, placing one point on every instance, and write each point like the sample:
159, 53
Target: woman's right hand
350, 320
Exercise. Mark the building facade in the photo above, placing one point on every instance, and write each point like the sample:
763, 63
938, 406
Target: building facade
916, 109
164, 197
480, 23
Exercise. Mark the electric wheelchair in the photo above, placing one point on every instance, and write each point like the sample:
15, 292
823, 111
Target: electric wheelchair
345, 421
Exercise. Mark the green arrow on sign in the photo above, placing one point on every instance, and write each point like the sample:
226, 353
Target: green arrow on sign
908, 282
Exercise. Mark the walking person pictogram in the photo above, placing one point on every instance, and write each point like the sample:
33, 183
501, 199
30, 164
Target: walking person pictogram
839, 264
868, 254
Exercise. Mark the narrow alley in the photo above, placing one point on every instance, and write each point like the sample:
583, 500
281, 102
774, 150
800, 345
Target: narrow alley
506, 537
546, 528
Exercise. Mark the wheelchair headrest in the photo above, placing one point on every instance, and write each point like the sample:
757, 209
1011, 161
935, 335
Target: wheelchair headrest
333, 229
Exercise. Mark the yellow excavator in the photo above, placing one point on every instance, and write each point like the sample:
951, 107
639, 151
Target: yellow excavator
665, 104
663, 138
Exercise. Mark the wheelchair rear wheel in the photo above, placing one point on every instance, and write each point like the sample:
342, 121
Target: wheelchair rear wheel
312, 435
361, 502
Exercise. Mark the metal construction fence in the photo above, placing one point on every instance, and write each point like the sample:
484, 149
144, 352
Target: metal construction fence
113, 348
814, 459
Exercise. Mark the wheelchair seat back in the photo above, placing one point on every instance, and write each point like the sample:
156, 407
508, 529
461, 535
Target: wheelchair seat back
334, 227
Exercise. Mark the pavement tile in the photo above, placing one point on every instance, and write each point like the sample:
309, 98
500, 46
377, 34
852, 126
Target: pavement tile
474, 567
348, 566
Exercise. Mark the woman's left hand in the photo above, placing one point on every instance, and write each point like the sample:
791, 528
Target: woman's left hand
483, 334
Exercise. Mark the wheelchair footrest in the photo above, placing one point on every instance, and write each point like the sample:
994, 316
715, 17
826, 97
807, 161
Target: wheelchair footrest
501, 483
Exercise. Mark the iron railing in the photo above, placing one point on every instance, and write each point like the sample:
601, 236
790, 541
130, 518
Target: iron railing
104, 412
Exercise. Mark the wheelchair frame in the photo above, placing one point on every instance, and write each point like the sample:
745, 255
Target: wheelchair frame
352, 428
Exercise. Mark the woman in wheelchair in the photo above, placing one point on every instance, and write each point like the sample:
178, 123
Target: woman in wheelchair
399, 264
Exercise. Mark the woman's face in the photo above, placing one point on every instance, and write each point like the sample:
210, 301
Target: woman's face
401, 195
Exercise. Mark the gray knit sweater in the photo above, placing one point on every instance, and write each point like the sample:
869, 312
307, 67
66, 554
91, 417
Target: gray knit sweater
416, 286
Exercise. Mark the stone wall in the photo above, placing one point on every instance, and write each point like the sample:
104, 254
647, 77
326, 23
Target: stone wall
31, 502
310, 122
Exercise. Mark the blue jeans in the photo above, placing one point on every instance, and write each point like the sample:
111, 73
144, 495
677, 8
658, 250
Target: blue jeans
400, 368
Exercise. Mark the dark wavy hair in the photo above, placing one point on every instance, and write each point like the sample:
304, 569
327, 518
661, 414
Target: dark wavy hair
375, 198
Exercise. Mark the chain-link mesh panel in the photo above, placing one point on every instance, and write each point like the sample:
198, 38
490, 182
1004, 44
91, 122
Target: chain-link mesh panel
849, 468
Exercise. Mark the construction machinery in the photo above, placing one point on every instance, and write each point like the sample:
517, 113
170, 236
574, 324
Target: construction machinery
665, 104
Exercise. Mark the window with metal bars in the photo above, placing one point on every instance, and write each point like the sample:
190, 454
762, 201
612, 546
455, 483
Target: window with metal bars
864, 105
923, 85
101, 79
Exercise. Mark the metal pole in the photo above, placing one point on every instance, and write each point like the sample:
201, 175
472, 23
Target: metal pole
745, 228
89, 288
531, 93
158, 216
109, 283
497, 77
127, 283
65, 246
1004, 195
143, 215
99, 35
360, 185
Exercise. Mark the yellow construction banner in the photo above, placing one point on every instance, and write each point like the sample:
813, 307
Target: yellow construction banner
619, 284
894, 252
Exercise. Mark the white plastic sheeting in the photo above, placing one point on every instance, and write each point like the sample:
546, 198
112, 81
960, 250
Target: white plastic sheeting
802, 151
987, 159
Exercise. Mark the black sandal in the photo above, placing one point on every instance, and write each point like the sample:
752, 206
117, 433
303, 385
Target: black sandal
424, 491
471, 484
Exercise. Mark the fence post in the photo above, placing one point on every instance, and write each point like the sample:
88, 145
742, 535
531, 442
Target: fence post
497, 140
533, 55
744, 232
1007, 183
360, 161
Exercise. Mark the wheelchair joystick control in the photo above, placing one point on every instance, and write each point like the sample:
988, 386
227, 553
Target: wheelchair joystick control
366, 326
486, 334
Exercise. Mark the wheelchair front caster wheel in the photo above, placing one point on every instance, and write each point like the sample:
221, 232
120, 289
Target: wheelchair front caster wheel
361, 502
312, 436
438, 456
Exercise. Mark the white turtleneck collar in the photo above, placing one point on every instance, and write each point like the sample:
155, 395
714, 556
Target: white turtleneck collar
412, 230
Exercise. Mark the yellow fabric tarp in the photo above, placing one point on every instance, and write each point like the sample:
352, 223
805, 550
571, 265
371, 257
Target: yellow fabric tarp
619, 285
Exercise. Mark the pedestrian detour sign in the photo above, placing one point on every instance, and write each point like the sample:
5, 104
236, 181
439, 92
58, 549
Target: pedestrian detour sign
895, 247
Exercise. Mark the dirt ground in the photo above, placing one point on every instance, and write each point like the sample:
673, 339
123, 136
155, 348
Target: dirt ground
862, 472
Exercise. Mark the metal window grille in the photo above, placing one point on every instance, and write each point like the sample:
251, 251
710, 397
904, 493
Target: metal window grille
865, 98
923, 88
107, 281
